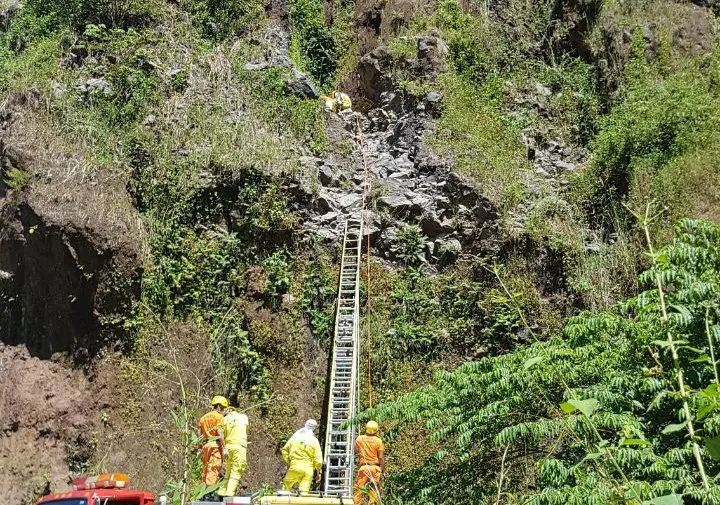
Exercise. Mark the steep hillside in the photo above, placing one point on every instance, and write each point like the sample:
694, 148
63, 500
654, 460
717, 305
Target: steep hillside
172, 196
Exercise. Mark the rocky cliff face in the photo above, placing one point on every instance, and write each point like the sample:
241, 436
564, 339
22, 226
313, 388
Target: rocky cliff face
70, 252
73, 245
71, 260
408, 185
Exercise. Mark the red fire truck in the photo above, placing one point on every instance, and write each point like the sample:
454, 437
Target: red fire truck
105, 489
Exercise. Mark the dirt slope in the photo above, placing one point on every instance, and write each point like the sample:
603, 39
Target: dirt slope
49, 415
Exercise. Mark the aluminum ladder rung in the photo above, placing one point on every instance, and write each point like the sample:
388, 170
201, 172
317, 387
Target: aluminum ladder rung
339, 443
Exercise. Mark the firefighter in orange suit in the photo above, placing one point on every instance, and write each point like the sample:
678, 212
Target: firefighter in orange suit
211, 435
370, 450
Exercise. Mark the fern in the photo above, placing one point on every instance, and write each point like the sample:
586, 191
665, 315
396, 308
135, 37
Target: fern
633, 447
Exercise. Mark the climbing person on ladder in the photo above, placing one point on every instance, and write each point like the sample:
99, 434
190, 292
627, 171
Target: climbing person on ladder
303, 455
370, 450
235, 437
210, 434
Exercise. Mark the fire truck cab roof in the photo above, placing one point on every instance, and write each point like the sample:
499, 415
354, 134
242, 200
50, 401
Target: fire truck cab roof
104, 489
99, 497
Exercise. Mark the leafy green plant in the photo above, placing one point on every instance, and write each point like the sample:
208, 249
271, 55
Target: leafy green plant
40, 485
278, 272
575, 104
319, 290
220, 19
660, 120
602, 414
115, 13
314, 41
411, 242
16, 178
239, 366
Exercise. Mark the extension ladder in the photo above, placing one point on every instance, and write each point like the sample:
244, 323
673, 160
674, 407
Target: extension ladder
344, 383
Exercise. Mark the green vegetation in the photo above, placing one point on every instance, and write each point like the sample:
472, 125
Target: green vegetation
157, 95
593, 413
313, 46
220, 19
485, 140
659, 122
560, 376
598, 414
17, 179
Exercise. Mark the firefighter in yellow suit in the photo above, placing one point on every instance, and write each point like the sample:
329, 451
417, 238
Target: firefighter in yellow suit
303, 455
235, 434
337, 101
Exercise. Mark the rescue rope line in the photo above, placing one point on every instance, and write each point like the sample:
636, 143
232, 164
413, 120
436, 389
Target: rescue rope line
366, 215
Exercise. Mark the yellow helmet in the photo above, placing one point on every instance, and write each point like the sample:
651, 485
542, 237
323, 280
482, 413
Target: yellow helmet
371, 427
219, 400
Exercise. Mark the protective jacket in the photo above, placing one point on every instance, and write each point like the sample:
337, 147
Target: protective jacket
236, 442
303, 454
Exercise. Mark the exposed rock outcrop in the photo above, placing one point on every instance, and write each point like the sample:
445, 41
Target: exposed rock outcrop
410, 184
276, 42
70, 255
380, 70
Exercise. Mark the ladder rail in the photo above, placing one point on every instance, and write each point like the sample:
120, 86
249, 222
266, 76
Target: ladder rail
344, 383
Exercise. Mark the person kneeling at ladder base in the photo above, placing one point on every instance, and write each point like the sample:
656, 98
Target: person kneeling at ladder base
303, 455
371, 454
236, 425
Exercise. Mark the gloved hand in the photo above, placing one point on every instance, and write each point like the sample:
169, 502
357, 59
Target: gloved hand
225, 452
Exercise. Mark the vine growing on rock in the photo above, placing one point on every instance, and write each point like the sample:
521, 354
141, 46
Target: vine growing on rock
623, 409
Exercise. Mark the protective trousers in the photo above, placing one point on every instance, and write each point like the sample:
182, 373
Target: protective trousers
300, 473
211, 463
235, 467
367, 483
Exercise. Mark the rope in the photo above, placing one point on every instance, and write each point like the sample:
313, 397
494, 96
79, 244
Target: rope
366, 215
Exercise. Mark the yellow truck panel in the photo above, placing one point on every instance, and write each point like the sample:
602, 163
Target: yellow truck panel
304, 500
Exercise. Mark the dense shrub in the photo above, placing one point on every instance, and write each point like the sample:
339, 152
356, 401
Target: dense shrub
220, 19
597, 414
314, 45
660, 119
657, 122
113, 13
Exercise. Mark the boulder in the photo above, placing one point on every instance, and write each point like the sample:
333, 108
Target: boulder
541, 90
324, 202
431, 225
255, 66
396, 204
450, 247
378, 120
298, 84
433, 103
432, 53
390, 101
428, 161
95, 84
327, 177
347, 202
375, 73
329, 217
563, 165
420, 203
